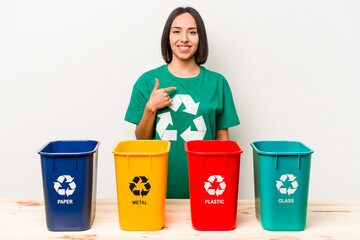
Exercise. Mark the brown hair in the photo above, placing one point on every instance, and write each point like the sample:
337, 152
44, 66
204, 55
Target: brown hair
203, 49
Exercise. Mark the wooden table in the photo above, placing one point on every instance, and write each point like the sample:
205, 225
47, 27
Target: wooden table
25, 219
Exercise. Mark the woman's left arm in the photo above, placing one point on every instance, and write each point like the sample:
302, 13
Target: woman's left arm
222, 134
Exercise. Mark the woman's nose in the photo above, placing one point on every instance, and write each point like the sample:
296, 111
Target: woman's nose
184, 37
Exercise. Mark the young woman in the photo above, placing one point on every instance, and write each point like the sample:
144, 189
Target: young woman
182, 100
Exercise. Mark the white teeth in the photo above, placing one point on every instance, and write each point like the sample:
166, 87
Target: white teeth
184, 48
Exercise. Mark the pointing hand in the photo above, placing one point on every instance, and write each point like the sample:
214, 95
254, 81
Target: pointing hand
159, 98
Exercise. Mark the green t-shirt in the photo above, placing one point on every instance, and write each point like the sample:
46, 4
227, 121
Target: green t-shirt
202, 105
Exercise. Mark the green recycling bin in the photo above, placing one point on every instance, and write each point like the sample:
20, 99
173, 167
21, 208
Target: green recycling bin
281, 181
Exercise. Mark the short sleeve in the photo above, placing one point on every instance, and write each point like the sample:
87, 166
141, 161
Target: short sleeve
137, 105
228, 116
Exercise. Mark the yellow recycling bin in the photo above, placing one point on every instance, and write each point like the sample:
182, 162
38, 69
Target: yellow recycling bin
141, 175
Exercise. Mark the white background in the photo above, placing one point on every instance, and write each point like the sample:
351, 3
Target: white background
67, 69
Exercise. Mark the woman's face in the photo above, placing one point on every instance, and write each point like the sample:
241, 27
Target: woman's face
184, 38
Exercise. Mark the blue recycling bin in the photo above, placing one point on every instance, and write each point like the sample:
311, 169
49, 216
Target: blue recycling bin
69, 172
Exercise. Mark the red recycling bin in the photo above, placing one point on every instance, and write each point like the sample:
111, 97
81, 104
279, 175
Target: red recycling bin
214, 180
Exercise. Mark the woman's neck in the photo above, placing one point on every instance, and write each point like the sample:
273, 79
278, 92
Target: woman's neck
183, 69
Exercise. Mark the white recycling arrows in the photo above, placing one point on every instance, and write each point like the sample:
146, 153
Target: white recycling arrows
190, 107
287, 178
69, 181
165, 120
195, 135
211, 191
219, 178
176, 103
69, 192
211, 179
57, 185
219, 190
291, 177
279, 184
170, 135
291, 190
68, 178
72, 185
283, 177
61, 179
189, 135
294, 184
61, 191
207, 185
200, 124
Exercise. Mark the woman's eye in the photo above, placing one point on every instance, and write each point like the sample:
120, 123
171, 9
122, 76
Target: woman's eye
193, 32
176, 31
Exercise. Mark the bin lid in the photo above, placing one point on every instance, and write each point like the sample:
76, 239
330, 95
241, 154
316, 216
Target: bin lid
69, 148
280, 148
142, 148
212, 147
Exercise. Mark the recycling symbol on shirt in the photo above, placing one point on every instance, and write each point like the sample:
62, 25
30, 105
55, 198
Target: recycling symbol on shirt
140, 188
69, 189
191, 108
219, 189
287, 178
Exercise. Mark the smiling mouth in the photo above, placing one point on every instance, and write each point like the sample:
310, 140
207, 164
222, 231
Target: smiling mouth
184, 48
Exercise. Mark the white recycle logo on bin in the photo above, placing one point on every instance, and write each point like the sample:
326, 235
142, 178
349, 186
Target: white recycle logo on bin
219, 190
284, 179
69, 181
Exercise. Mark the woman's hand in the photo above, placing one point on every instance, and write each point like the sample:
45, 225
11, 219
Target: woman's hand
159, 98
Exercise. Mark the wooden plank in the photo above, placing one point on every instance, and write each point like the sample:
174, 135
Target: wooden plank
25, 219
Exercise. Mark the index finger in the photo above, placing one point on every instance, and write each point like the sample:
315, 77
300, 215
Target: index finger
168, 89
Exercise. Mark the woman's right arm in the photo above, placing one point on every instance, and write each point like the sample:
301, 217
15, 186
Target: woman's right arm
144, 130
159, 98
